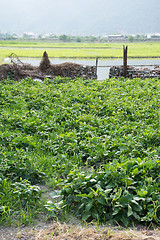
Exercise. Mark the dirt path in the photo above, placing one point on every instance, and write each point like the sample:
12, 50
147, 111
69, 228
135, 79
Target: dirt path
74, 230
58, 231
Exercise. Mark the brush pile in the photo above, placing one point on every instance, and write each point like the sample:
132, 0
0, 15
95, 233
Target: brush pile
18, 70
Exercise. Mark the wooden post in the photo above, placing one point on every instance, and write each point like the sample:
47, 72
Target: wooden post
96, 64
125, 60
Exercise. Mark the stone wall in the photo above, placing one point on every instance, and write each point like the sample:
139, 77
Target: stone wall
72, 70
134, 72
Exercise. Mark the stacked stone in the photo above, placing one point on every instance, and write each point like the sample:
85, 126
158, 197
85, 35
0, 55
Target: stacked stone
87, 72
116, 71
133, 72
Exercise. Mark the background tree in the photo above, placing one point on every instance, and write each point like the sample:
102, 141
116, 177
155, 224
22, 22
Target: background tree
131, 38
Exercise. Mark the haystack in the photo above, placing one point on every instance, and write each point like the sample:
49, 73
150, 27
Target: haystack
45, 62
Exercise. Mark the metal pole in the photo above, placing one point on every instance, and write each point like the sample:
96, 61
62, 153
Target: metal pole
96, 64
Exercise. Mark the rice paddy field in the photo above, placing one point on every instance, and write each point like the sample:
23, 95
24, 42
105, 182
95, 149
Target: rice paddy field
79, 50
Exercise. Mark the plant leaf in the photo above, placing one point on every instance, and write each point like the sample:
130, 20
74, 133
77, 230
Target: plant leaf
86, 215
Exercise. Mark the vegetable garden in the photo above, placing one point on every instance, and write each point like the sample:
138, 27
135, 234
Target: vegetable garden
96, 143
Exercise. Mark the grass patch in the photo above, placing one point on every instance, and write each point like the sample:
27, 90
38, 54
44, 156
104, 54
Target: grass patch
1, 60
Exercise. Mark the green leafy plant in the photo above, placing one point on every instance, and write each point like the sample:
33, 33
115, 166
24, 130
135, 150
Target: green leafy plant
56, 205
96, 141
18, 200
16, 166
114, 194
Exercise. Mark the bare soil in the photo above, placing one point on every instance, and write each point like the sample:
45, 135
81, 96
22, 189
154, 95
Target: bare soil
63, 231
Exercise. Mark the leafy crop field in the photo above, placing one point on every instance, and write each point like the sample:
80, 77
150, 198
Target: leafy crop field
96, 143
78, 50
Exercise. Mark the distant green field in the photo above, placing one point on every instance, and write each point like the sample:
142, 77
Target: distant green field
78, 50
51, 44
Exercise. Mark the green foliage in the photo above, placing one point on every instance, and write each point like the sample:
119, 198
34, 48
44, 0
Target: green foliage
19, 201
126, 192
65, 38
57, 128
131, 38
56, 205
15, 165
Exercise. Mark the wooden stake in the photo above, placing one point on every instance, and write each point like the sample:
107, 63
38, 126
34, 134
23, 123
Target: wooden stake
125, 60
